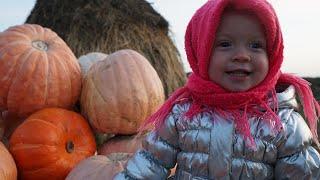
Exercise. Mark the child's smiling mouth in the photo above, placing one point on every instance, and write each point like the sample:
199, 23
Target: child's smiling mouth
239, 73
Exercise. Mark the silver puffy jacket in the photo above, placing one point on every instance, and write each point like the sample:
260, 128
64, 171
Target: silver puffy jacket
211, 149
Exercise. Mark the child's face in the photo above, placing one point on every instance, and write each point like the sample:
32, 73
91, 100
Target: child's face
239, 59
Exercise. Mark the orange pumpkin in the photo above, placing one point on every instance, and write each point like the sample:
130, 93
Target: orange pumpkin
50, 142
8, 169
37, 70
120, 92
99, 167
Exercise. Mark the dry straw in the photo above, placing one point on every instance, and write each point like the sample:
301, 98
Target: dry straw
110, 25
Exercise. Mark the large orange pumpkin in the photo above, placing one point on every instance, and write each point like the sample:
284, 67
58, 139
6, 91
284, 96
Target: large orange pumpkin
8, 169
50, 142
37, 70
120, 92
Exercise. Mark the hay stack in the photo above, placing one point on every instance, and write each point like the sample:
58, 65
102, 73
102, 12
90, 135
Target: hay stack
109, 25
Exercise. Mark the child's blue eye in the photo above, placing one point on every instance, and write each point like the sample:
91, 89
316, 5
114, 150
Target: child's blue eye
256, 45
224, 44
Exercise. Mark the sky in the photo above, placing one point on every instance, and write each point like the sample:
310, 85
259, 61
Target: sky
300, 27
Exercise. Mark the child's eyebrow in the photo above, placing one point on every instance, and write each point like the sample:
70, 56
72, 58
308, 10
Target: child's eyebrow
259, 38
223, 35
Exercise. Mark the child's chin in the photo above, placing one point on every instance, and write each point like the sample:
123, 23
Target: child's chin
238, 88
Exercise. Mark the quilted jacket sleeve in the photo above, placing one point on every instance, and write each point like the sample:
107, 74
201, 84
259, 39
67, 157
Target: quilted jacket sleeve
158, 155
297, 159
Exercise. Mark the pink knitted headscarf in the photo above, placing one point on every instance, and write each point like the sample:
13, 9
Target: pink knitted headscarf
203, 93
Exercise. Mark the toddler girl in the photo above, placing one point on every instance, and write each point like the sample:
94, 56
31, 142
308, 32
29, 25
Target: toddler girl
237, 116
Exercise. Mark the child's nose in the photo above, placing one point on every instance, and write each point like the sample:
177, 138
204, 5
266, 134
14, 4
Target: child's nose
241, 54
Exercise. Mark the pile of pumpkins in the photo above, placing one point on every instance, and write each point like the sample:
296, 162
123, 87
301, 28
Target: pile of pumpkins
41, 82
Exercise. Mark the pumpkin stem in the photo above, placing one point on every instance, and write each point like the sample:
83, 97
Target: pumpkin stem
40, 45
69, 146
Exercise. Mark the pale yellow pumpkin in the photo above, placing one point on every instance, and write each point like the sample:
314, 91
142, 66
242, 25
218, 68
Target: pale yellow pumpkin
99, 167
87, 60
8, 169
123, 144
120, 92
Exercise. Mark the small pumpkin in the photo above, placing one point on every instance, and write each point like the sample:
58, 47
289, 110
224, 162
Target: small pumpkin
99, 167
8, 169
123, 144
120, 92
50, 142
37, 70
87, 60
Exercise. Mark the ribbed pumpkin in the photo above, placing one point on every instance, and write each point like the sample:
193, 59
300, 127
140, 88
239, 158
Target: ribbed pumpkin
87, 60
120, 92
37, 70
99, 167
50, 142
8, 169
